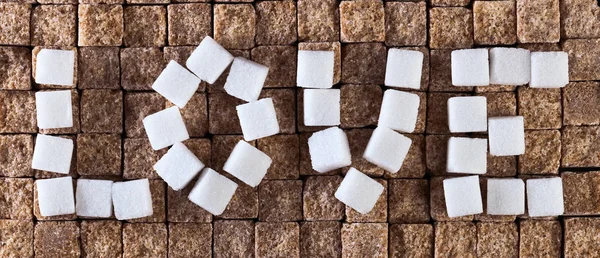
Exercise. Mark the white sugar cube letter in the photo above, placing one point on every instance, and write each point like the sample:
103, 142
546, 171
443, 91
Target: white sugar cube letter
94, 198
359, 191
258, 119
247, 163
56, 67
387, 149
132, 199
505, 196
209, 60
549, 70
463, 196
403, 68
52, 153
246, 79
510, 66
54, 109
176, 84
321, 107
55, 196
545, 197
506, 135
470, 67
315, 69
399, 110
212, 192
467, 155
178, 166
165, 128
467, 114
329, 150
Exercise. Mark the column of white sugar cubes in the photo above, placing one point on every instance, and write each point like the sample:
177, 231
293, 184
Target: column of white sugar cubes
387, 149
52, 153
209, 60
359, 191
321, 107
510, 66
399, 110
404, 68
165, 128
178, 166
54, 109
55, 196
467, 155
176, 84
132, 199
506, 135
258, 119
470, 67
549, 69
56, 67
246, 79
467, 114
247, 163
545, 197
505, 196
315, 69
94, 198
463, 196
329, 149
212, 192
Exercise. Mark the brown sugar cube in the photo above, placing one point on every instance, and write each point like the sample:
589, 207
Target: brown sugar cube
54, 25
17, 157
365, 240
243, 204
414, 165
581, 193
277, 239
76, 128
500, 103
102, 111
147, 1
320, 239
16, 198
99, 68
437, 112
580, 146
300, 115
233, 238
327, 46
440, 77
284, 101
219, 84
96, 1
101, 238
405, 24
379, 213
455, 239
540, 47
222, 115
222, 145
98, 154
360, 105
437, 202
281, 61
189, 23
358, 140
501, 166
34, 54
139, 159
14, 29
422, 112
145, 26
56, 239
581, 236
578, 19
275, 22
195, 115
446, 3
411, 240
179, 54
540, 238
234, 25
284, 150
159, 207
181, 209
497, 239
15, 70
319, 202
538, 21
583, 55
305, 162
318, 20
450, 28
362, 63
581, 103
144, 240
541, 108
201, 148
408, 201
280, 200
72, 169
542, 152
495, 88
483, 182
140, 67
138, 105
362, 21
100, 25
17, 238
494, 22
436, 147
190, 240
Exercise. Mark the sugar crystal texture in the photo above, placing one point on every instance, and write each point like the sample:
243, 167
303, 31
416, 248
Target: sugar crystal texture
467, 114
52, 153
359, 191
247, 163
506, 135
315, 69
165, 128
55, 196
209, 60
54, 109
470, 67
403, 68
258, 119
321, 107
387, 149
510, 66
329, 149
94, 198
467, 155
549, 69
55, 67
505, 196
132, 199
178, 166
463, 196
176, 84
399, 110
213, 191
545, 197
246, 79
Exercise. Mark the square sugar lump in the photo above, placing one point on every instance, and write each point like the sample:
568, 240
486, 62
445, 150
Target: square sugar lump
467, 155
506, 135
165, 128
176, 84
212, 192
505, 196
55, 67
549, 70
359, 191
404, 68
247, 163
52, 153
178, 166
246, 79
399, 110
329, 149
467, 114
209, 60
510, 66
545, 197
54, 109
315, 69
321, 107
132, 199
93, 198
55, 196
387, 149
463, 196
258, 119
470, 67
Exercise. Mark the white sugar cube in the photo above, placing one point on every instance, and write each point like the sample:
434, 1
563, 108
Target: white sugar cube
165, 128
510, 66
178, 166
506, 135
56, 67
463, 196
54, 109
470, 67
94, 198
209, 60
246, 79
321, 107
315, 69
258, 119
52, 154
247, 163
329, 150
399, 110
213, 191
505, 196
132, 199
176, 84
545, 197
387, 149
467, 155
467, 114
403, 68
359, 191
549, 69
55, 196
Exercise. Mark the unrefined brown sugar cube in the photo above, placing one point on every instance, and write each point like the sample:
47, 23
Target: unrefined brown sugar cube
159, 207
495, 88
450, 27
411, 240
497, 239
408, 201
139, 159
494, 22
449, 2
405, 24
54, 25
581, 236
365, 240
578, 19
76, 128
277, 239
98, 154
138, 105
320, 239
501, 166
437, 112
56, 239
284, 151
101, 238
414, 165
102, 111
580, 146
72, 169
379, 213
318, 20
358, 140
233, 238
145, 26
319, 202
17, 238
360, 105
538, 21
436, 147
581, 193
222, 115
583, 54
195, 115
189, 23
363, 62
179, 54
284, 101
455, 239
14, 24
140, 67
17, 112
327, 46
540, 238
98, 68
201, 148
440, 77
190, 240
222, 146
18, 151
276, 22
16, 198
500, 103
15, 69
100, 25
148, 1
280, 200
181, 209
581, 103
243, 204
281, 61
541, 108
144, 240
362, 21
437, 202
422, 111
234, 25
542, 152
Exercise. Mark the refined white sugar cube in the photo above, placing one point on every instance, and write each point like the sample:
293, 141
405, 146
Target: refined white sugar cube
510, 66
506, 135
467, 114
545, 197
165, 128
505, 196
246, 79
54, 109
247, 163
94, 198
321, 107
403, 68
209, 60
399, 110
176, 84
470, 67
52, 154
212, 192
55, 196
315, 69
178, 166
549, 70
387, 149
359, 191
258, 119
56, 67
329, 150
463, 196
467, 155
132, 199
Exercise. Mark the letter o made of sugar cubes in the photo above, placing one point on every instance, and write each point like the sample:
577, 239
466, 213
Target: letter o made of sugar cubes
209, 60
247, 163
165, 128
212, 192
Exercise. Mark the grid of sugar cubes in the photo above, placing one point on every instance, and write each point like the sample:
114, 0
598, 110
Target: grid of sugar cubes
246, 79
359, 191
209, 60
549, 70
467, 114
404, 68
258, 119
506, 135
462, 196
247, 163
55, 196
93, 198
315, 69
212, 191
132, 199
470, 67
387, 149
176, 84
505, 196
399, 110
467, 155
510, 66
178, 166
54, 109
55, 67
545, 197
329, 149
52, 153
321, 107
165, 128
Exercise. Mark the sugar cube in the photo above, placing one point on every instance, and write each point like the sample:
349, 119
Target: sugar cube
399, 110
209, 60
545, 197
359, 191
246, 79
258, 119
329, 150
470, 67
164, 128
55, 196
463, 196
176, 84
178, 166
56, 67
403, 68
467, 114
54, 109
315, 69
549, 69
506, 135
213, 191
247, 163
505, 196
510, 66
52, 153
94, 198
387, 149
321, 107
467, 155
132, 199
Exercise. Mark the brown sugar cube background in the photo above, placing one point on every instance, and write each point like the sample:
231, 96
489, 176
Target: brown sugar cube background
540, 238
54, 25
581, 237
542, 152
414, 165
72, 169
98, 154
540, 108
76, 128
139, 158
233, 238
362, 21
16, 198
440, 75
580, 146
581, 103
222, 115
455, 239
22, 115
358, 140
234, 25
281, 61
408, 201
538, 21
189, 23
379, 213
320, 239
145, 26
56, 239
365, 240
140, 67
497, 239
201, 148
411, 240
362, 63
144, 240
17, 238
102, 111
437, 202
98, 1
484, 217
98, 68
243, 204
18, 154
276, 22
318, 20
436, 148
578, 19
147, 1
422, 112
300, 115
447, 3
195, 115
583, 59
360, 105
15, 24
101, 238
190, 240
405, 24
319, 202
222, 145
100, 25
495, 88
181, 209
16, 69
450, 27
581, 193
494, 22
305, 163
136, 106
284, 151
284, 101
34, 54
500, 103
336, 47
280, 200
277, 239
437, 112
158, 193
